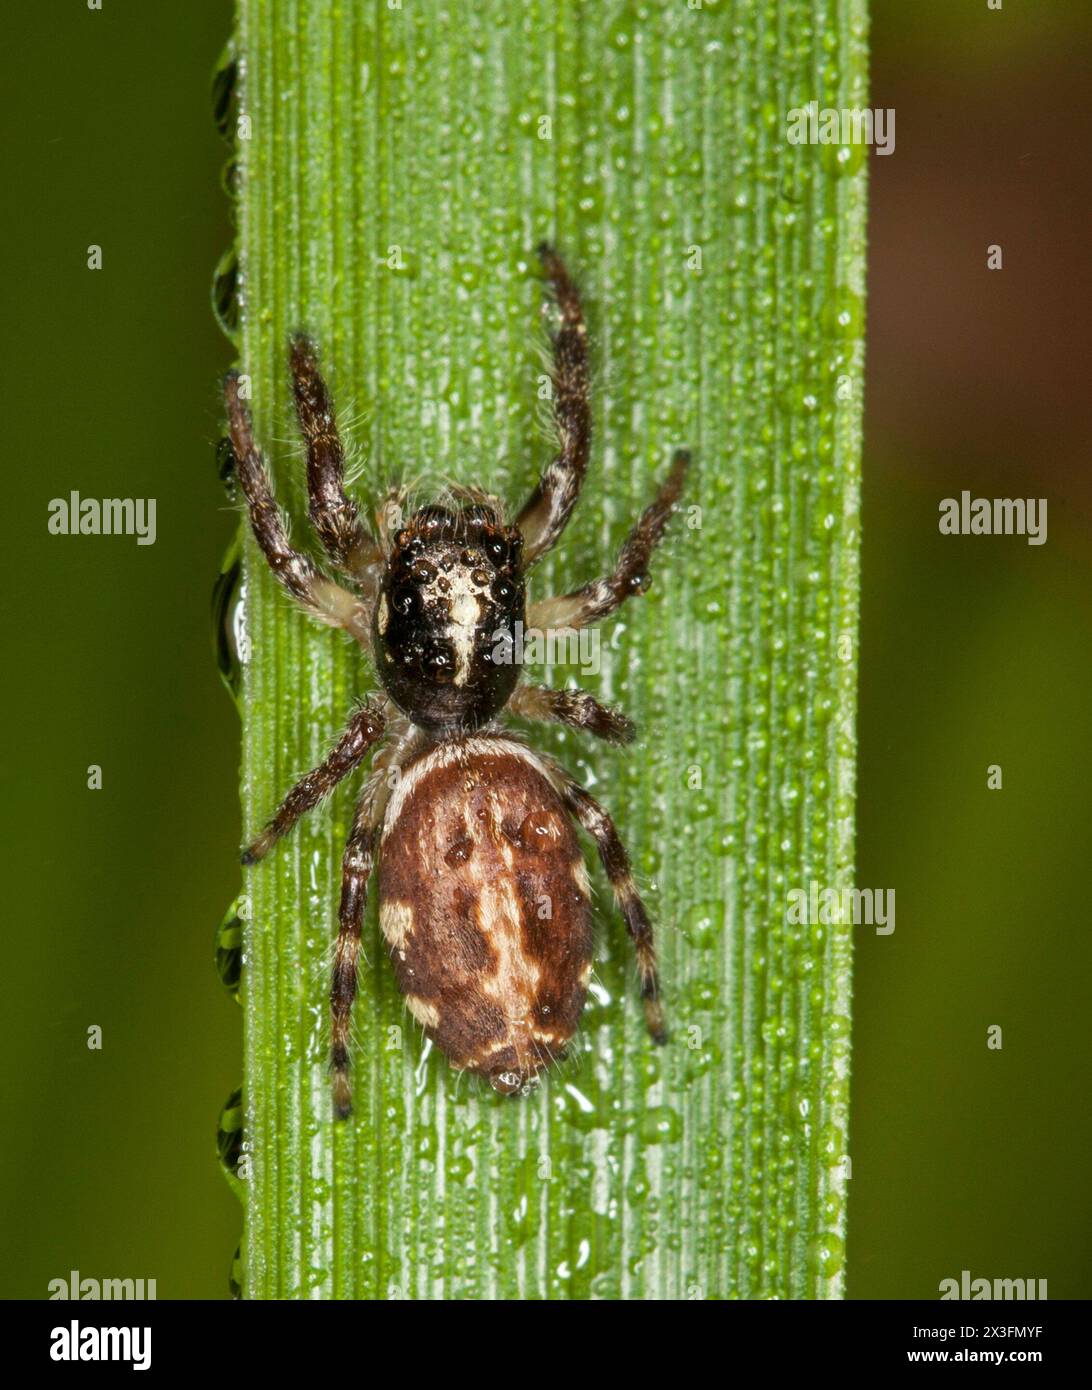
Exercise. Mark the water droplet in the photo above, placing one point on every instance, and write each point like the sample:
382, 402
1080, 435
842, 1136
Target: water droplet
660, 1124
637, 1189
459, 852
703, 924
225, 82
230, 178
229, 945
539, 831
229, 1137
843, 161
235, 1274
228, 613
226, 298
826, 1254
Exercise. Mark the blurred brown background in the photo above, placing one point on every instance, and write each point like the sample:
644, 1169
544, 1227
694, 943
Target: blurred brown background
976, 651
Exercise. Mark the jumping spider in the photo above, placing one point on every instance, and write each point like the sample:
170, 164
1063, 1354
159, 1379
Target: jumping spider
472, 830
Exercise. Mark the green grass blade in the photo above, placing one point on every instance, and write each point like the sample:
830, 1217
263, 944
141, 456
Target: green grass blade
399, 167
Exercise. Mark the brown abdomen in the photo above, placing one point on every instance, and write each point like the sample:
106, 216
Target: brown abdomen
484, 905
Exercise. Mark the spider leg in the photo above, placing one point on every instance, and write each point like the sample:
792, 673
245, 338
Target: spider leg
576, 708
321, 597
630, 576
356, 868
333, 515
362, 731
549, 507
596, 821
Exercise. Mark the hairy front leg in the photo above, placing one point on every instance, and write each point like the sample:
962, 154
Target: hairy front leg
630, 575
297, 573
549, 507
334, 516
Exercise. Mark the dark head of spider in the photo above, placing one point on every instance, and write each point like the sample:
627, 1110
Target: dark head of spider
444, 625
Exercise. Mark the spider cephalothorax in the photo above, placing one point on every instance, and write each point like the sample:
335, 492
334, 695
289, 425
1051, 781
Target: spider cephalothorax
451, 595
484, 899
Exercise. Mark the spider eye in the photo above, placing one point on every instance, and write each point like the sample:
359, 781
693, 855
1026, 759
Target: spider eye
504, 592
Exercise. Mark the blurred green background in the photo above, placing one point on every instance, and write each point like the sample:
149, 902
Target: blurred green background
974, 652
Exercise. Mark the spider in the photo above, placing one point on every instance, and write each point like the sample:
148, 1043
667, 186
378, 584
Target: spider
483, 891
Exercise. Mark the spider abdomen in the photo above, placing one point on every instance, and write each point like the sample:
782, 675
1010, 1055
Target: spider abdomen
484, 904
